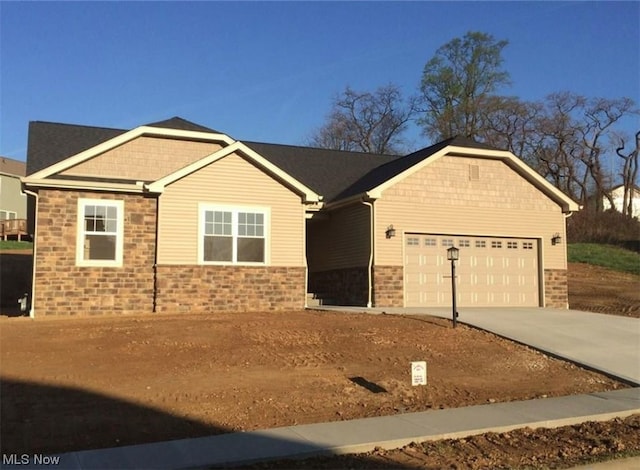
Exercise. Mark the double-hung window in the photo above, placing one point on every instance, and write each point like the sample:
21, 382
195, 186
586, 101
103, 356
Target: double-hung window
100, 232
233, 235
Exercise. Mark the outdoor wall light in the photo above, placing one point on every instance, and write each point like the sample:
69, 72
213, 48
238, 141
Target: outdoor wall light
390, 232
556, 239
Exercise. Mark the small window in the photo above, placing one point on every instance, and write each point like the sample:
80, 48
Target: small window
100, 232
233, 236
463, 243
527, 245
413, 241
512, 245
481, 244
430, 242
447, 242
496, 244
7, 215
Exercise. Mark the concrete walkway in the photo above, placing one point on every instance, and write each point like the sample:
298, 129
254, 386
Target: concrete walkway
360, 435
606, 343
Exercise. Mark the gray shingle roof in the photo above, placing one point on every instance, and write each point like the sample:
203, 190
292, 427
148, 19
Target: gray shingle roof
331, 173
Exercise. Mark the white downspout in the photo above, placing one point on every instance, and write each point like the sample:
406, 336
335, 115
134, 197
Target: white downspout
369, 274
32, 310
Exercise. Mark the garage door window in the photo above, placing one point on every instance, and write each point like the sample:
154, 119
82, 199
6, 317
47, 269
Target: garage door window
527, 245
481, 244
496, 244
512, 245
446, 242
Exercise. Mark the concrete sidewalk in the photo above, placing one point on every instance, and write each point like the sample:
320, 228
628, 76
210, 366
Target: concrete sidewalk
606, 343
360, 435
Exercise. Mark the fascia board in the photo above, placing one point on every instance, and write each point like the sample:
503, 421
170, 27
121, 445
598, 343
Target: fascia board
124, 138
87, 185
309, 195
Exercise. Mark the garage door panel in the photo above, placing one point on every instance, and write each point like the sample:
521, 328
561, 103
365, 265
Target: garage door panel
492, 271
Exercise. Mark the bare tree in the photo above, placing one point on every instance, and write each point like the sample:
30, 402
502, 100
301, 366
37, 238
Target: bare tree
367, 122
629, 174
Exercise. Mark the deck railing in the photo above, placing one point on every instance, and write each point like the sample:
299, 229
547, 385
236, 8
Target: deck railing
13, 227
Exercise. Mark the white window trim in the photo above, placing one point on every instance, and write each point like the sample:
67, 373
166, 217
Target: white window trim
234, 209
80, 233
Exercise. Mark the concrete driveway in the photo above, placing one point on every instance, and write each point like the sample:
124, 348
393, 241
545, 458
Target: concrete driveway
607, 343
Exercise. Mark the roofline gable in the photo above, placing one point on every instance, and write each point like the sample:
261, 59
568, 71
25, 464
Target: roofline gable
237, 146
122, 139
567, 204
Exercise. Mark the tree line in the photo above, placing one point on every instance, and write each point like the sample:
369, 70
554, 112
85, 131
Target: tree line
566, 137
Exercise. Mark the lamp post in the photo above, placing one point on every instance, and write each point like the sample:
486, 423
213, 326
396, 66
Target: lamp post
453, 254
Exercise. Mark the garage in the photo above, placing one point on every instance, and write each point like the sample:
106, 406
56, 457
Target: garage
491, 272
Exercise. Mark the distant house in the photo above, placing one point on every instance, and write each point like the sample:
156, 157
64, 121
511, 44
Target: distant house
177, 217
617, 194
13, 202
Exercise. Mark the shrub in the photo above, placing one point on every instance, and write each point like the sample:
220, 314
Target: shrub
610, 227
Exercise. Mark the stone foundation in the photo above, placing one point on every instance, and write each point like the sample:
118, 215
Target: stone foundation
388, 286
349, 286
556, 291
193, 289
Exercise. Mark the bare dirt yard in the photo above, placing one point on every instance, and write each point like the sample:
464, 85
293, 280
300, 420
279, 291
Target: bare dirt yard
91, 382
596, 289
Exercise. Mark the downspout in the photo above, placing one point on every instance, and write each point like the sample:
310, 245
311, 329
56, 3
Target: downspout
155, 259
371, 244
32, 310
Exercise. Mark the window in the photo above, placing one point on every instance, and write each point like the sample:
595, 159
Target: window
7, 215
527, 245
447, 242
100, 232
413, 241
481, 244
233, 235
463, 243
430, 242
496, 244
512, 245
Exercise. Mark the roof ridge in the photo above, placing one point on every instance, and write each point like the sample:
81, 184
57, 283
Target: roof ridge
78, 125
322, 149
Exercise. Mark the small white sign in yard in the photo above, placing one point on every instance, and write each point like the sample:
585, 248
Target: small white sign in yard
419, 373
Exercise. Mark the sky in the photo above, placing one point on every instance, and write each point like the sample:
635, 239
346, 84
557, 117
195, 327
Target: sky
268, 71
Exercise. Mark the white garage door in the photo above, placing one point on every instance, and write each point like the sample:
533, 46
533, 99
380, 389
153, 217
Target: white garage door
491, 272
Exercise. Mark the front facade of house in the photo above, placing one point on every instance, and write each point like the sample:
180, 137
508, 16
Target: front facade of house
174, 217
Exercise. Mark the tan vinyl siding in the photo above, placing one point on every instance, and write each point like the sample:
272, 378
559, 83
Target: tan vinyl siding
144, 159
341, 241
442, 198
229, 181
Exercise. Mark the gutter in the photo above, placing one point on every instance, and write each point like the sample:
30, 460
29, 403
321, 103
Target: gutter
371, 244
32, 310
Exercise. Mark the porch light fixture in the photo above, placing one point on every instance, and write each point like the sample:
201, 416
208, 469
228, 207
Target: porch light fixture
453, 255
390, 232
556, 239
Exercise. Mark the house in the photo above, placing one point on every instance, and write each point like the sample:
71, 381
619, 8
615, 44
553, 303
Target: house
173, 216
13, 202
617, 194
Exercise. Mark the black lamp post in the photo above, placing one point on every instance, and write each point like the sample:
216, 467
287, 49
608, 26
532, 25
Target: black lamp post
453, 254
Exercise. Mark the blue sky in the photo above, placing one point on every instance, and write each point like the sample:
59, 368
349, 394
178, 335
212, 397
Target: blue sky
267, 71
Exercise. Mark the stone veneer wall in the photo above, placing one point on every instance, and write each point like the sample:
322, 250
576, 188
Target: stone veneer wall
348, 286
388, 286
62, 288
187, 288
556, 291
